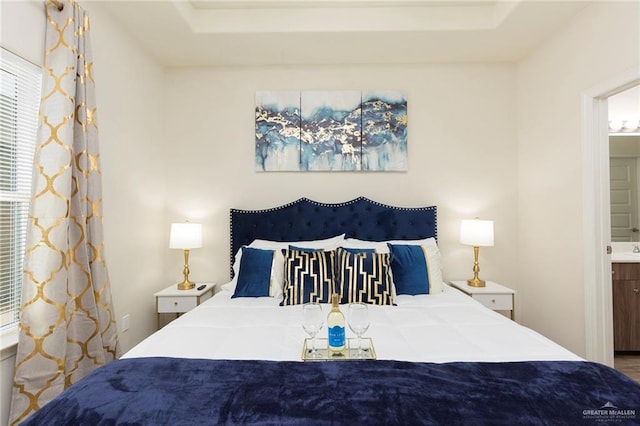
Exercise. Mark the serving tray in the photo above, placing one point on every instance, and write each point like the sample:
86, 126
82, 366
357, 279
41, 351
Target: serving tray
350, 353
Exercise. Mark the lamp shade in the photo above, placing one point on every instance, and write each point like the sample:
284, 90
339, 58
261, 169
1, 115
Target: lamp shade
185, 236
476, 232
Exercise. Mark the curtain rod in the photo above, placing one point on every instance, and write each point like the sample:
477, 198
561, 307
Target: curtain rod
58, 3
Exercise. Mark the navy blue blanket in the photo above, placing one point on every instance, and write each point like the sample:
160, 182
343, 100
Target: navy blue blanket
168, 391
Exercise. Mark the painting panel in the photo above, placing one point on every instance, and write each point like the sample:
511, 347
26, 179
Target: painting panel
331, 133
384, 131
278, 122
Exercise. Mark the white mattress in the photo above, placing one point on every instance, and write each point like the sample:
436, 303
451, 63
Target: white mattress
429, 328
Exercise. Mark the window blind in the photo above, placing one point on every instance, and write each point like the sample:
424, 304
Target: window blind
20, 85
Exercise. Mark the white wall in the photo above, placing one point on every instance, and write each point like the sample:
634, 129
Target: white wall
14, 16
462, 155
129, 92
597, 46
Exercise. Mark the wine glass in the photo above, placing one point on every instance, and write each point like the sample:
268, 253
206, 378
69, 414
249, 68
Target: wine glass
359, 323
312, 320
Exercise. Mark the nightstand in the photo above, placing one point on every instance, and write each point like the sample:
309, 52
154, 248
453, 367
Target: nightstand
494, 296
174, 301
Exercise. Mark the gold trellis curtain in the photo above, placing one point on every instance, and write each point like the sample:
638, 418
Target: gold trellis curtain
67, 326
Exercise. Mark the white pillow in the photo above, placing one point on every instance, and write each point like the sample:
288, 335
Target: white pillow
434, 258
352, 243
277, 268
231, 285
434, 263
326, 244
381, 246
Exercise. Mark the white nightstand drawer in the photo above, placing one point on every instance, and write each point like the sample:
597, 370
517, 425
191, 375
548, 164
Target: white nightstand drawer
176, 304
171, 300
493, 295
497, 302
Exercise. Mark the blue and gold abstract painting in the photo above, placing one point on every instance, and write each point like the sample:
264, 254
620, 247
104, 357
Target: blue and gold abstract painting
278, 131
331, 131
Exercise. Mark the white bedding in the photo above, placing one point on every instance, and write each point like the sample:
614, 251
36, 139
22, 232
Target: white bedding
444, 327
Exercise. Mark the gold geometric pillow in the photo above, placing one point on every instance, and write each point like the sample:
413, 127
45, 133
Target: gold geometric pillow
363, 276
308, 276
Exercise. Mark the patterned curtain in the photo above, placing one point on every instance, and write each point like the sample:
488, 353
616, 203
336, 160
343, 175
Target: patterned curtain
67, 326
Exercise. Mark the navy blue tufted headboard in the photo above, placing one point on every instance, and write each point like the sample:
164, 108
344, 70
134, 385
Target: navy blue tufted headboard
306, 219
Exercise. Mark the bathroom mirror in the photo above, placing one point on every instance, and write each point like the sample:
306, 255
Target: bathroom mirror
624, 165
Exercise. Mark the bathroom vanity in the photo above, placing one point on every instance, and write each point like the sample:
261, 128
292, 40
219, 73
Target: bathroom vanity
626, 303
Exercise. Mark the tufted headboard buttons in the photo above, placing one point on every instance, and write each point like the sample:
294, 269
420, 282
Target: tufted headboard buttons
306, 219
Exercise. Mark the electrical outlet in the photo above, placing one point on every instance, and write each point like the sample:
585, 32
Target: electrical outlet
125, 322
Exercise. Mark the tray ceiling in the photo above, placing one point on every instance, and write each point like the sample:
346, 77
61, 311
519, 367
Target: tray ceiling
314, 32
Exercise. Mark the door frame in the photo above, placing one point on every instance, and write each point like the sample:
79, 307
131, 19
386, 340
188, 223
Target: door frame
596, 220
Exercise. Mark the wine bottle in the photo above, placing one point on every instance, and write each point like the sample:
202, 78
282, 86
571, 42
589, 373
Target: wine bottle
335, 325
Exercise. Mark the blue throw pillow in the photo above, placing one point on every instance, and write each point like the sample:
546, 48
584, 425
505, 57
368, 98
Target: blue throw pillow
363, 276
308, 276
409, 268
254, 277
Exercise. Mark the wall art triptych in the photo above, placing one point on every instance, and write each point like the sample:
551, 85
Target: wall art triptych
331, 131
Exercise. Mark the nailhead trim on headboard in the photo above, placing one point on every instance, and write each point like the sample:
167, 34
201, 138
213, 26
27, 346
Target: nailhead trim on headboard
306, 219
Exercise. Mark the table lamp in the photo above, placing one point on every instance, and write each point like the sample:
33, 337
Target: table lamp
185, 236
477, 233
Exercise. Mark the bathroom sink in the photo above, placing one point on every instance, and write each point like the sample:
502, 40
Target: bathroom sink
626, 256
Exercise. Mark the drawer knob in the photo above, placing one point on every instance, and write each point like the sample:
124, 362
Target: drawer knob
636, 290
493, 301
175, 303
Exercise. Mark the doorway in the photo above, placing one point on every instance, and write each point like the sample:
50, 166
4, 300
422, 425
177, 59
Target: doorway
624, 155
596, 217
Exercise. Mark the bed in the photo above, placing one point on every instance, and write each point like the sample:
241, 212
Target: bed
441, 357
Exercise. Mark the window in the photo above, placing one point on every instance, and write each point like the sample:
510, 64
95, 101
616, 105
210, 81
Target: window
20, 83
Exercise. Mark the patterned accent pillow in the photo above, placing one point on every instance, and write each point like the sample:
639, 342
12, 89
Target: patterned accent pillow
363, 276
308, 276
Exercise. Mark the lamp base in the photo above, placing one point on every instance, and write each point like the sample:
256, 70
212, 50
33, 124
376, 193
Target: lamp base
186, 285
476, 282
